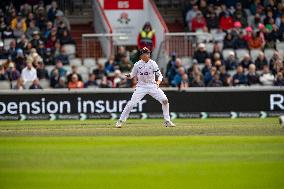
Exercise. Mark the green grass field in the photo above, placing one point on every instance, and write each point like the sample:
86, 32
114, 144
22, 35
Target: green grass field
211, 153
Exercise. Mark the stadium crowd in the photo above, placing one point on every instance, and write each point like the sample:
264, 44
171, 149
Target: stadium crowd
33, 37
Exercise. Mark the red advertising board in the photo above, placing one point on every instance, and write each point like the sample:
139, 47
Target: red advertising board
123, 4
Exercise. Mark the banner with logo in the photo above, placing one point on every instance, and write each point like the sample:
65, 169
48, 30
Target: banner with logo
108, 105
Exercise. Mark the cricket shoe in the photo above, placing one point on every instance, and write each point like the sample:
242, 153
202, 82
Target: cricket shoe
118, 124
169, 124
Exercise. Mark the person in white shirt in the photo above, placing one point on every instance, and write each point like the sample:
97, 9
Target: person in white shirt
266, 78
145, 71
29, 73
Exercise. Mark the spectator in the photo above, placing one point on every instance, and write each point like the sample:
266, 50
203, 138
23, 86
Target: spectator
252, 76
190, 15
75, 82
35, 85
100, 71
246, 61
215, 81
3, 75
231, 62
19, 84
35, 39
12, 73
197, 81
59, 67
61, 83
274, 58
212, 21
255, 42
3, 53
207, 66
42, 73
260, 61
32, 29
249, 34
198, 23
19, 21
277, 67
281, 29
105, 83
147, 37
184, 82
29, 73
121, 52
239, 78
240, 14
66, 38
209, 75
74, 71
266, 78
110, 64
62, 57
228, 41
20, 60
201, 54
55, 77
52, 11
279, 79
178, 77
92, 82
172, 71
60, 18
225, 77
47, 30
22, 43
117, 79
239, 42
8, 33
125, 65
226, 21
171, 66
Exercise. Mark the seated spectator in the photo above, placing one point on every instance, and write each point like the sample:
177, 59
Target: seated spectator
197, 81
35, 39
92, 82
32, 29
184, 82
42, 73
55, 77
74, 71
117, 79
47, 30
193, 71
201, 54
48, 57
277, 67
60, 18
249, 34
240, 14
19, 84
29, 73
3, 75
3, 53
240, 42
226, 21
225, 77
190, 15
178, 77
279, 79
20, 60
209, 75
121, 52
52, 11
75, 82
125, 65
246, 61
35, 85
231, 62
12, 50
252, 76
215, 81
61, 83
105, 83
198, 23
59, 67
8, 33
19, 21
274, 58
281, 28
239, 78
100, 71
260, 61
51, 41
272, 37
62, 57
172, 68
207, 66
216, 53
212, 21
219, 36
110, 64
266, 78
12, 73
66, 38
255, 42
228, 41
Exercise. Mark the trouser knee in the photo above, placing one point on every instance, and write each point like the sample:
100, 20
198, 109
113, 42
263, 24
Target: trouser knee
165, 101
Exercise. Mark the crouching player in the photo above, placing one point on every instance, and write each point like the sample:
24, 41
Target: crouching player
145, 70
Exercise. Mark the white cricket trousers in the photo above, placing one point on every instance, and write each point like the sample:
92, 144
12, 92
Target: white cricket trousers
139, 93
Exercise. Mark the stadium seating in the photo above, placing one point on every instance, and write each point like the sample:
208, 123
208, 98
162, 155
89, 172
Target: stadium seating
5, 85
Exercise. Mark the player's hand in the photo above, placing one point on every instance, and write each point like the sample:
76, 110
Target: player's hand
127, 75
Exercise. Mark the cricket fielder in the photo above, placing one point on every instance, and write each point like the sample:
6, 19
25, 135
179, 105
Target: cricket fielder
145, 70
